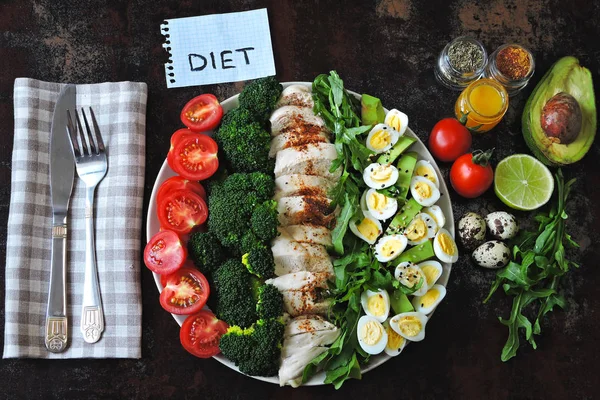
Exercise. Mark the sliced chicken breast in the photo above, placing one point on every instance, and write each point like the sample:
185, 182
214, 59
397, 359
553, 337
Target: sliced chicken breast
302, 292
296, 95
301, 344
287, 117
291, 256
299, 210
313, 234
311, 159
302, 185
302, 280
299, 135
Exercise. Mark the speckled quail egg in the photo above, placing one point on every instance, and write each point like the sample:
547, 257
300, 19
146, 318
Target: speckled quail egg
389, 247
380, 176
425, 169
381, 138
367, 228
492, 254
410, 325
376, 304
378, 205
429, 300
421, 228
444, 247
471, 230
395, 343
437, 214
397, 120
424, 191
409, 274
502, 225
372, 336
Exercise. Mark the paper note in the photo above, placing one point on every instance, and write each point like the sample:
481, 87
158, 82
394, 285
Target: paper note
218, 48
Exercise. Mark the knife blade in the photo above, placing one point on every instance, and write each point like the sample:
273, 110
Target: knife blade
62, 169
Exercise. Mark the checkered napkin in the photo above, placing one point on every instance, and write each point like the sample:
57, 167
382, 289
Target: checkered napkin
120, 109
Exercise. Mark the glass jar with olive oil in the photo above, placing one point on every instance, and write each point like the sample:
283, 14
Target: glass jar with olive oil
484, 102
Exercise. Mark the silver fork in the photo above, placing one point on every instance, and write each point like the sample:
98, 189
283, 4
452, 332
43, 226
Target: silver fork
91, 164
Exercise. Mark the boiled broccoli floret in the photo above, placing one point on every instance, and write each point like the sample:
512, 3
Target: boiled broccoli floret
259, 261
264, 220
231, 205
205, 251
270, 302
260, 96
233, 288
256, 350
249, 242
245, 143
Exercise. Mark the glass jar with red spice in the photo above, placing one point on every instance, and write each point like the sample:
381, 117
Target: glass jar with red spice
512, 65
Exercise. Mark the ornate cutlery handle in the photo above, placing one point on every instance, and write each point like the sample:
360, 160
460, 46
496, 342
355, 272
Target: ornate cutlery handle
92, 315
56, 335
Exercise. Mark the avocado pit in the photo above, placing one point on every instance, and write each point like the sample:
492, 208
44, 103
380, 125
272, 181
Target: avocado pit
561, 118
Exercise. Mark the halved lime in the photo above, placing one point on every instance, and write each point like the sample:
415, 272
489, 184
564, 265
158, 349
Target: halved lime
522, 182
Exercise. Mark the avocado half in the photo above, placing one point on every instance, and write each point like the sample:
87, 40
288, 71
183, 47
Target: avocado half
566, 75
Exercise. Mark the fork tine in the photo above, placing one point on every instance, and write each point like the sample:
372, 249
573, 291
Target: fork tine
72, 129
101, 147
93, 148
81, 135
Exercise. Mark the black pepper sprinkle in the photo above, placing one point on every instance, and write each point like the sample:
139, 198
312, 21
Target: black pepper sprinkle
383, 185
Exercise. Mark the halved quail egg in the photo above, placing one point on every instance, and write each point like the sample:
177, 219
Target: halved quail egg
424, 191
421, 228
381, 138
367, 228
395, 343
444, 247
410, 275
425, 169
432, 270
380, 176
372, 336
389, 247
410, 325
427, 302
437, 214
376, 304
397, 120
379, 205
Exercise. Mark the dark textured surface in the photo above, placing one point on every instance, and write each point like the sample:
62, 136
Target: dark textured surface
386, 48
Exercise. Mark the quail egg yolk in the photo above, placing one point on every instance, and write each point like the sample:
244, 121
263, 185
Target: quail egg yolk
368, 229
376, 305
380, 139
417, 230
423, 190
395, 122
410, 277
395, 341
390, 247
426, 173
429, 298
381, 173
447, 244
410, 325
377, 201
430, 274
371, 333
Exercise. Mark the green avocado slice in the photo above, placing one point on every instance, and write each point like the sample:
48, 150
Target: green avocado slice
566, 75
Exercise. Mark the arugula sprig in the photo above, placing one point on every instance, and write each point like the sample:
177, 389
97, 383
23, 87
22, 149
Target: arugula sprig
339, 110
533, 278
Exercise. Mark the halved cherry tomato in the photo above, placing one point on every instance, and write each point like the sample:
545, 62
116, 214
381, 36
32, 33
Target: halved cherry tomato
187, 264
177, 136
194, 156
185, 293
471, 174
449, 139
164, 253
202, 113
181, 211
200, 334
178, 183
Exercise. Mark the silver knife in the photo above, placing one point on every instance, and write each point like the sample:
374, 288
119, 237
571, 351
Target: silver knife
62, 167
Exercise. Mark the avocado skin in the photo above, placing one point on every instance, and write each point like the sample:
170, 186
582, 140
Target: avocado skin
566, 75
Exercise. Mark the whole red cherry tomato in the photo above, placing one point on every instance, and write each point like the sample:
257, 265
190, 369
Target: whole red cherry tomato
449, 139
471, 174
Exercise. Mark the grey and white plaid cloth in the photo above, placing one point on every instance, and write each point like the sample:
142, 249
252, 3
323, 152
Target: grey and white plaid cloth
120, 109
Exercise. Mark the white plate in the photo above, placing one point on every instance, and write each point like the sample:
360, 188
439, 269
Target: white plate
152, 226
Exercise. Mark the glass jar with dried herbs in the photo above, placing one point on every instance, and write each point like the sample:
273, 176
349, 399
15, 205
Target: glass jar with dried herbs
462, 61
